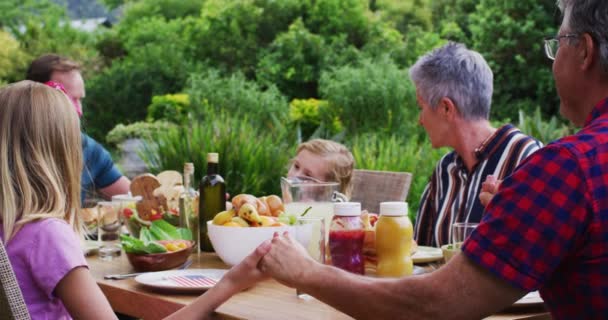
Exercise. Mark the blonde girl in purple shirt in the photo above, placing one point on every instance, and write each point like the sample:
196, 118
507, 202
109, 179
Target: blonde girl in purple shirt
40, 167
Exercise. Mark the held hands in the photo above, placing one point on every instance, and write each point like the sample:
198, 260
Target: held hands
488, 189
287, 261
247, 273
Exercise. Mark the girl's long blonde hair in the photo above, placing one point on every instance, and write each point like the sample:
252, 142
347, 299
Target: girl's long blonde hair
340, 159
40, 156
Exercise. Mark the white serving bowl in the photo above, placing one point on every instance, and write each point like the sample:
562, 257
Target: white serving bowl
233, 244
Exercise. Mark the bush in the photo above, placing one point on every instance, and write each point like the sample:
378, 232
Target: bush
13, 60
335, 17
293, 62
211, 94
544, 131
398, 153
167, 9
314, 118
252, 159
170, 107
122, 92
509, 35
375, 96
402, 14
138, 130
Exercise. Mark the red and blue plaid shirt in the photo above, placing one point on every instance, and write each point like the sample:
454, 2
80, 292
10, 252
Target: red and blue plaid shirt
547, 227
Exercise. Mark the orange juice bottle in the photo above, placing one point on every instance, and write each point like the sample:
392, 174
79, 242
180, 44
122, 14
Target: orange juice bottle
394, 233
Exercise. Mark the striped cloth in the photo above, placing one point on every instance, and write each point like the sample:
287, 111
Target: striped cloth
452, 195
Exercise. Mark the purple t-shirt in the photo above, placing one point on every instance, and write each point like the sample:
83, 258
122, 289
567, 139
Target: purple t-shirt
42, 253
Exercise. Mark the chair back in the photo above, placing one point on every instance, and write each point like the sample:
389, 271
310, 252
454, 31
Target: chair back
372, 187
12, 305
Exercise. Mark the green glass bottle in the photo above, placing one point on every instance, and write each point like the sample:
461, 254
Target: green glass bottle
212, 192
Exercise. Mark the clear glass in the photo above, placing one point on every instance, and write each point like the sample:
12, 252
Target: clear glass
346, 237
299, 195
188, 204
461, 231
108, 229
310, 233
127, 208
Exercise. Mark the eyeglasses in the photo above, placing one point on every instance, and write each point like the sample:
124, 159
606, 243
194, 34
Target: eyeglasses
552, 44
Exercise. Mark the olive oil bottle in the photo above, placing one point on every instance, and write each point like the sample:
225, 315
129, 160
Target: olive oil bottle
212, 192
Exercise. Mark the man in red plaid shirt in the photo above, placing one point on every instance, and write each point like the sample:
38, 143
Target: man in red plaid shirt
546, 229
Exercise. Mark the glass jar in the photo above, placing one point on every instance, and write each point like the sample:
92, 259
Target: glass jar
394, 234
346, 237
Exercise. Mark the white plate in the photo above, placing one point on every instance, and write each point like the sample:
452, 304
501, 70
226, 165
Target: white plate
182, 280
425, 254
532, 298
90, 247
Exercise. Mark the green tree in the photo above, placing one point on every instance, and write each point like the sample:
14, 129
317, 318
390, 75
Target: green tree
509, 34
293, 62
13, 60
401, 14
374, 96
334, 17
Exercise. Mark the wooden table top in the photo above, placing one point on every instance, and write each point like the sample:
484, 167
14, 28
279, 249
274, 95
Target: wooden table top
267, 300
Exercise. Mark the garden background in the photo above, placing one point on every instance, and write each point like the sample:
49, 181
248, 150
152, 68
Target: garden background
250, 79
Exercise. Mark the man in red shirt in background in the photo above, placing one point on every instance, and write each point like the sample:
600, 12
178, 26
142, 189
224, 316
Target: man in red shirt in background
546, 229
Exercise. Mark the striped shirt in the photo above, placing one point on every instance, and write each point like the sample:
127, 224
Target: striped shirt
452, 194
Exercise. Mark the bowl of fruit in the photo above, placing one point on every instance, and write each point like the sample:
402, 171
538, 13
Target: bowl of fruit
235, 233
159, 247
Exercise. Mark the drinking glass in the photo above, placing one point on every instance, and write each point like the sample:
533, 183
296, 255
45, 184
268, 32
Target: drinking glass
461, 231
126, 209
108, 229
310, 233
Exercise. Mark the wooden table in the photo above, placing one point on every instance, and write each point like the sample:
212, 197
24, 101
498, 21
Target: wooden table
267, 300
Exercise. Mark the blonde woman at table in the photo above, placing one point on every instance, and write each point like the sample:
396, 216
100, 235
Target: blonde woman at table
40, 170
324, 161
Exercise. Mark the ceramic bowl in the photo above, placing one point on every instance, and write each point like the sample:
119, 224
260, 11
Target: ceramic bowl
233, 244
160, 261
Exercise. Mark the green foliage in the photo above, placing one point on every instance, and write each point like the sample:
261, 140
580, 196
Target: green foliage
373, 96
314, 117
252, 159
402, 14
397, 153
141, 130
122, 92
226, 35
419, 42
293, 62
167, 9
451, 18
15, 13
170, 107
13, 60
334, 17
210, 93
545, 131
509, 35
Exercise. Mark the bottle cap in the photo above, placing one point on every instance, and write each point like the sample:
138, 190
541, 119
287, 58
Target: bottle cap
188, 167
398, 208
212, 157
349, 209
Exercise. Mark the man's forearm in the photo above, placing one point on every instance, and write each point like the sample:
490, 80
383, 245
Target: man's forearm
461, 289
369, 298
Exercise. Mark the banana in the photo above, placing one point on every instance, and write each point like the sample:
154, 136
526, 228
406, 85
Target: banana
267, 221
223, 217
240, 221
250, 213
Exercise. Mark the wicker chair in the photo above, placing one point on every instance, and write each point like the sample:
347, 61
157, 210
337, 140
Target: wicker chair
372, 187
12, 305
